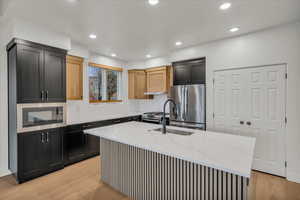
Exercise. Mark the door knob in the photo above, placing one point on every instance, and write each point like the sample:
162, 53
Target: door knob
241, 122
249, 123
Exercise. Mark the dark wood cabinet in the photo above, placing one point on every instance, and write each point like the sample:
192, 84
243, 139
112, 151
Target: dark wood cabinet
29, 74
39, 152
189, 72
40, 71
31, 151
54, 149
55, 76
79, 146
74, 144
92, 145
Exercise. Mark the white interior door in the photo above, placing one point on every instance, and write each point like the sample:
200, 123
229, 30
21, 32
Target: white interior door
253, 105
229, 101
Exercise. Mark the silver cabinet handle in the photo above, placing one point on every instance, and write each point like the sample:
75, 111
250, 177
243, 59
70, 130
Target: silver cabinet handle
47, 138
42, 95
186, 102
43, 139
86, 126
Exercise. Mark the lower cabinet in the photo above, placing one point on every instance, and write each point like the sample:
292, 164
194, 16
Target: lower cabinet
76, 144
39, 153
92, 145
42, 152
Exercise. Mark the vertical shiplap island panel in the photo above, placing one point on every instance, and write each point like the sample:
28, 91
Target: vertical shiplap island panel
146, 175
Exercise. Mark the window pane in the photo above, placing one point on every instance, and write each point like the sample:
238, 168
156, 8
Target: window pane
112, 85
95, 83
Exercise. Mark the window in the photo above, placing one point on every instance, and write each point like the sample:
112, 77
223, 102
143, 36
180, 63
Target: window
104, 83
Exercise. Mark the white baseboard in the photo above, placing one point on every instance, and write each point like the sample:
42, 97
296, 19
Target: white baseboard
4, 172
294, 177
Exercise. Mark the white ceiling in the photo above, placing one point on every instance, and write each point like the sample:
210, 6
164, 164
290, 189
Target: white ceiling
133, 28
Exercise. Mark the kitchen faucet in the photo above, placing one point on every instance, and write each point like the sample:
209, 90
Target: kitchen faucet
164, 130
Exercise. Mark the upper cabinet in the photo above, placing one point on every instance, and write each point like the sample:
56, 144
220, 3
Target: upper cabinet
137, 84
189, 72
39, 72
55, 76
142, 84
74, 78
158, 79
29, 73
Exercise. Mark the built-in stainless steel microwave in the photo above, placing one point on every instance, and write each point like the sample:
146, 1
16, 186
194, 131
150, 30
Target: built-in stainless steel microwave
40, 116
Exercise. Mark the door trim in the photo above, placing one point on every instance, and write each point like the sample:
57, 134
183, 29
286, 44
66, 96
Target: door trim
251, 66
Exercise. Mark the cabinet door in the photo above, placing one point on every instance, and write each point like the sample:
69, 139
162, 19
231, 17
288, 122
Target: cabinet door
137, 84
131, 85
31, 155
182, 75
29, 74
92, 145
54, 76
74, 78
74, 146
189, 72
140, 85
54, 149
157, 81
198, 73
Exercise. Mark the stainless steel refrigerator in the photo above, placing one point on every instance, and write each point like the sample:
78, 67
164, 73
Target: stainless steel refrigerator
190, 103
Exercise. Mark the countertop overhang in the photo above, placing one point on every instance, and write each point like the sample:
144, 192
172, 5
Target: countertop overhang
226, 152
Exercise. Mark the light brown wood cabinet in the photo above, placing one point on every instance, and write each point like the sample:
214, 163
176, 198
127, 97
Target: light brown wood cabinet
74, 78
158, 79
152, 80
137, 84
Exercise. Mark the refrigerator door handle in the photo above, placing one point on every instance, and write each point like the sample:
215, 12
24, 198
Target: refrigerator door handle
182, 104
185, 102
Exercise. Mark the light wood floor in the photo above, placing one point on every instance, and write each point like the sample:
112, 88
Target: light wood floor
81, 182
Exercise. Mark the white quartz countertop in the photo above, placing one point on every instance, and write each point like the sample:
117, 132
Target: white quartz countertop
230, 153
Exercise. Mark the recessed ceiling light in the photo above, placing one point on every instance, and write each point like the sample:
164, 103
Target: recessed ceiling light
178, 43
235, 29
113, 55
148, 56
153, 2
72, 1
93, 36
225, 6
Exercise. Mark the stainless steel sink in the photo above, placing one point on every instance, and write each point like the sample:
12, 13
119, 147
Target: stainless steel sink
173, 131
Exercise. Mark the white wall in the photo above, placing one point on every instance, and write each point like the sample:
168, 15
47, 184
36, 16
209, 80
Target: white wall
5, 34
83, 111
272, 46
40, 34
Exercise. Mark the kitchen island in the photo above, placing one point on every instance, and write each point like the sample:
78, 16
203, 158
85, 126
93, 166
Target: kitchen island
145, 164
